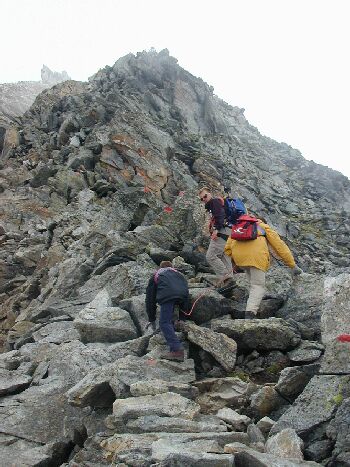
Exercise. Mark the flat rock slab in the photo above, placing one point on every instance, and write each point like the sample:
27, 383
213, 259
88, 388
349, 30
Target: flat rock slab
196, 459
167, 404
107, 324
221, 347
155, 423
317, 404
251, 458
40, 416
259, 334
12, 381
158, 386
161, 449
57, 333
306, 352
19, 452
133, 369
126, 446
131, 372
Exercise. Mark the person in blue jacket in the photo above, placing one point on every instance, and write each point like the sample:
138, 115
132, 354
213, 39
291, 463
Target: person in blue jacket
168, 287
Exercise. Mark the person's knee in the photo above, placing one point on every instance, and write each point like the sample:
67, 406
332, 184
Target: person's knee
209, 256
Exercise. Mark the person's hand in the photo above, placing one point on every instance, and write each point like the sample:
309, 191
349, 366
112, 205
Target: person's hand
214, 235
152, 325
297, 271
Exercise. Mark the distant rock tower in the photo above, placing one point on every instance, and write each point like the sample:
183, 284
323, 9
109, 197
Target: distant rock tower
51, 78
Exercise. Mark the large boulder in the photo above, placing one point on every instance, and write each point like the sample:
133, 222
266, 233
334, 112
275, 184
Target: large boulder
286, 444
208, 304
259, 334
304, 305
221, 347
98, 322
316, 405
335, 323
216, 393
338, 432
167, 404
292, 380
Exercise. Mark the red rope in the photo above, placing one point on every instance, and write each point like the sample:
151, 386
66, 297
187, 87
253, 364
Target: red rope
189, 313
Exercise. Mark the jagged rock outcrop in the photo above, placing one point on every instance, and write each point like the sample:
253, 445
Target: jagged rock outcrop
98, 184
16, 98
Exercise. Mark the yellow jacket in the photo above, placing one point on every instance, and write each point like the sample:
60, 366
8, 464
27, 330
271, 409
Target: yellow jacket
256, 252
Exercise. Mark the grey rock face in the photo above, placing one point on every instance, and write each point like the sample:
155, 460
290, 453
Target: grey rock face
210, 305
306, 352
159, 386
286, 444
293, 380
194, 459
266, 400
125, 447
237, 421
258, 459
317, 404
258, 334
57, 333
98, 183
216, 393
11, 382
304, 305
221, 347
155, 423
335, 318
166, 404
338, 431
50, 77
98, 322
110, 324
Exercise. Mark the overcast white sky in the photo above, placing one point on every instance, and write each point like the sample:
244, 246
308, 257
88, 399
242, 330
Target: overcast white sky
285, 61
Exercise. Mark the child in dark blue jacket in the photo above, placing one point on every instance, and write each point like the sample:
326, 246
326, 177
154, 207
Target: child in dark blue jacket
168, 287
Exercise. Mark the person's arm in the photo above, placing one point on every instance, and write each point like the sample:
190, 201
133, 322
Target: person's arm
279, 246
228, 247
218, 213
151, 304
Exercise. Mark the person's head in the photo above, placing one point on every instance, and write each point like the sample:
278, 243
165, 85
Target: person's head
166, 264
204, 194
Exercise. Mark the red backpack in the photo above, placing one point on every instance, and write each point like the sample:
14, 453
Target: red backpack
246, 228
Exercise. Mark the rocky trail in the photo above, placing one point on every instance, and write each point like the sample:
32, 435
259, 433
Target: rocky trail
98, 185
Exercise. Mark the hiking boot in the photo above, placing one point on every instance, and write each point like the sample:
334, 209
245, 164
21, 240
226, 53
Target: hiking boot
250, 315
228, 282
179, 325
177, 356
227, 287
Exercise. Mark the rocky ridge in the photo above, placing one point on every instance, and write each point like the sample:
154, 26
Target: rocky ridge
98, 185
16, 98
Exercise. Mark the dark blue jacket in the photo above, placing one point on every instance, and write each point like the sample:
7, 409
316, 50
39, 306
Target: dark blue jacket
166, 285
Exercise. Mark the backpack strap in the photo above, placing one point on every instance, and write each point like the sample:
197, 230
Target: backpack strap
160, 271
262, 231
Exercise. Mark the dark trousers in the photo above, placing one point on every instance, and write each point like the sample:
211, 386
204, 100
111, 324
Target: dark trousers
167, 327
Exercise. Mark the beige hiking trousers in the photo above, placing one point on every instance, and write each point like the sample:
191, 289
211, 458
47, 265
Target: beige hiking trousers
216, 257
257, 288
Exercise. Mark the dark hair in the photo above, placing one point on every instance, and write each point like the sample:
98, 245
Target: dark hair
166, 264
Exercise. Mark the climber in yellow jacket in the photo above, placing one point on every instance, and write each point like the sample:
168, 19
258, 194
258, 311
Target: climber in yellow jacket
254, 257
